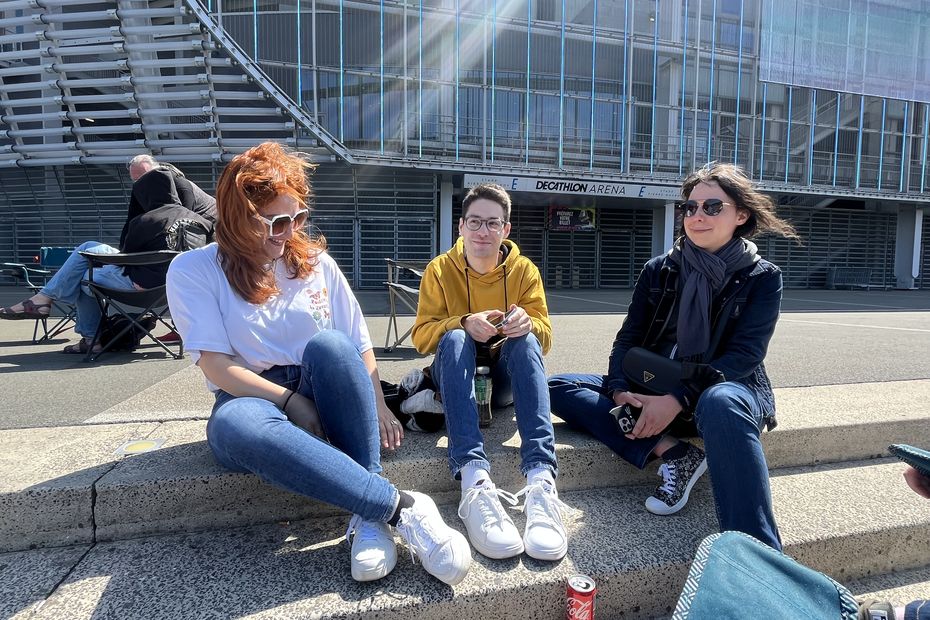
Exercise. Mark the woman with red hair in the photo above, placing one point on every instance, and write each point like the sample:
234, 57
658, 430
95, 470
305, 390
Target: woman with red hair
272, 323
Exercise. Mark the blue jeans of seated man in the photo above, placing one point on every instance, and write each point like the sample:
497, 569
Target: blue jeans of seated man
65, 285
729, 418
518, 376
253, 435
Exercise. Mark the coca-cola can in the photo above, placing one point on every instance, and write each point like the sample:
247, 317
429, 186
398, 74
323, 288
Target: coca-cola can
579, 597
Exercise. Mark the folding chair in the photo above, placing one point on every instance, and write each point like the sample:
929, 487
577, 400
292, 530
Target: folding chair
403, 293
34, 277
135, 305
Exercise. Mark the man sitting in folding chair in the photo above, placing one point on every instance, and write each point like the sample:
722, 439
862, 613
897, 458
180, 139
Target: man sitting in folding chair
151, 231
160, 197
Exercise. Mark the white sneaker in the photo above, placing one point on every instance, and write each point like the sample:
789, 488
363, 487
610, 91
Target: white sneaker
544, 536
373, 551
412, 380
424, 400
490, 528
443, 552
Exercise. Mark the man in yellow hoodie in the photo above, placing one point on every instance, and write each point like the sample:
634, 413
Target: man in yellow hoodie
464, 295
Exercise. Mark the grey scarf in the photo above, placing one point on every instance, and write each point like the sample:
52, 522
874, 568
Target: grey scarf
703, 275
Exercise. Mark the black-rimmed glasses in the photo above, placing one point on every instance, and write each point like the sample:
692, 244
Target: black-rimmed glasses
711, 206
494, 224
279, 224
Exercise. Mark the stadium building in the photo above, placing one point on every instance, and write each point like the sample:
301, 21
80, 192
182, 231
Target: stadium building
589, 111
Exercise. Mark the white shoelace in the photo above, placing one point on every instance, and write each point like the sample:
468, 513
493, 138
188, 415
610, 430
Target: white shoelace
668, 476
362, 529
416, 532
488, 500
542, 505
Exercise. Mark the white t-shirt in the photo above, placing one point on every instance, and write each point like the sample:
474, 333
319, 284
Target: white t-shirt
211, 316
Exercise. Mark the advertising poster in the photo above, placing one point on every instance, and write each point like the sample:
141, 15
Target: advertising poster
571, 218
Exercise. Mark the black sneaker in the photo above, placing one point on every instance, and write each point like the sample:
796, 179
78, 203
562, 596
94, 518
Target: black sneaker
678, 476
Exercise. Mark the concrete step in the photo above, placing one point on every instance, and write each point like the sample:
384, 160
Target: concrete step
899, 588
71, 478
301, 569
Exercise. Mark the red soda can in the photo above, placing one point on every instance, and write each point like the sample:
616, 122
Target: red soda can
580, 593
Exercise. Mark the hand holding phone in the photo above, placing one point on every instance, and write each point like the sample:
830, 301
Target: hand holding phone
626, 416
503, 320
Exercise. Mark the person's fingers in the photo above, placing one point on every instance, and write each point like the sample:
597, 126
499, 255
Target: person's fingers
384, 431
637, 431
396, 433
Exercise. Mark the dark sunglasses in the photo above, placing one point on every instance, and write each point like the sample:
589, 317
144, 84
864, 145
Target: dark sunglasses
711, 206
280, 224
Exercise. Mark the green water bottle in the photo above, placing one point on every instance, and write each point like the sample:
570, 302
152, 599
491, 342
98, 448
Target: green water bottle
483, 395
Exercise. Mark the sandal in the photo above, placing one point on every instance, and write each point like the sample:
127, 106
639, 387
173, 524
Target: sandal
30, 311
81, 348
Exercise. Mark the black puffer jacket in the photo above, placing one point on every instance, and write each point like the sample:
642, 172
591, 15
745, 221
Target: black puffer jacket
164, 186
171, 227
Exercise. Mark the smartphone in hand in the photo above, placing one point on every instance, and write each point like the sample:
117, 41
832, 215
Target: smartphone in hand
626, 416
504, 319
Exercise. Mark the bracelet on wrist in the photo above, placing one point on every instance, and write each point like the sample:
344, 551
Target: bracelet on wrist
286, 401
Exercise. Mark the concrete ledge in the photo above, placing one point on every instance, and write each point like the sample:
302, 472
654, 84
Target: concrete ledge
181, 488
899, 588
47, 480
301, 570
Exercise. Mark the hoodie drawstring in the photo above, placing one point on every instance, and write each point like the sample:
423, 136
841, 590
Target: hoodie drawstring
468, 289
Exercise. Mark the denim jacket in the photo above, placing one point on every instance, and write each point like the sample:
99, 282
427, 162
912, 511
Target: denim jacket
748, 308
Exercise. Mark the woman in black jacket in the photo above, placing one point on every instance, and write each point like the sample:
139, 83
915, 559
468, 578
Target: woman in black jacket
711, 302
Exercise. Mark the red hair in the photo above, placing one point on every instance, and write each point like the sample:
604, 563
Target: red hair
250, 181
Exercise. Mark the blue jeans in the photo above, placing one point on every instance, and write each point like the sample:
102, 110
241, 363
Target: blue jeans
252, 435
518, 376
65, 285
728, 416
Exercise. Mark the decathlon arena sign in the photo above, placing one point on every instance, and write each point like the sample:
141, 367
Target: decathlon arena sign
558, 185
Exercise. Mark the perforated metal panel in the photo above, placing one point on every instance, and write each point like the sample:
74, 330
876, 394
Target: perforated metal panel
67, 205
833, 238
626, 245
610, 257
366, 215
369, 214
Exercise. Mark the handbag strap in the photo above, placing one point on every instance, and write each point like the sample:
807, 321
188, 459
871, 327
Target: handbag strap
663, 314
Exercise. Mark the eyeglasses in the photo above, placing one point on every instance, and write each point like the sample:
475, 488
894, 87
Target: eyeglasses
711, 206
281, 223
495, 225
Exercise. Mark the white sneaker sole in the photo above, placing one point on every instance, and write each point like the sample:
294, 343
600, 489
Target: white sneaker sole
658, 507
371, 574
461, 551
494, 553
546, 555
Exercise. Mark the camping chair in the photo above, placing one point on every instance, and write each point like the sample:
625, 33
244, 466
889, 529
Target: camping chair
403, 293
135, 305
34, 277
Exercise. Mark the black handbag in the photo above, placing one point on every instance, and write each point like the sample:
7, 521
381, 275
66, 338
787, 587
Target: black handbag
650, 372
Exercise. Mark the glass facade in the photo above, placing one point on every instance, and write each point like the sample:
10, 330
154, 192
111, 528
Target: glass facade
640, 87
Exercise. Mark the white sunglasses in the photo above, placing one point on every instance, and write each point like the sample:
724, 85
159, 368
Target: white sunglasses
280, 224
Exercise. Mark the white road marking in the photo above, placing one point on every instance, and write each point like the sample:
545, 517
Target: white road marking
592, 301
848, 303
900, 329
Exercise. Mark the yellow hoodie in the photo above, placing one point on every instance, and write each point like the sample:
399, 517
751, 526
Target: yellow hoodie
450, 291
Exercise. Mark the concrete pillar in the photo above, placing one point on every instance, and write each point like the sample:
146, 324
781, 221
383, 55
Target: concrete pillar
445, 213
907, 246
663, 228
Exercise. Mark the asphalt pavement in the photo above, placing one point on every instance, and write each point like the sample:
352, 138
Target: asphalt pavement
823, 338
